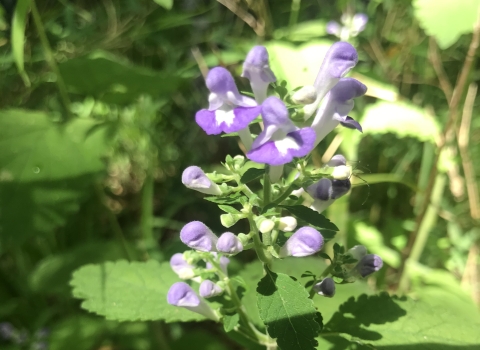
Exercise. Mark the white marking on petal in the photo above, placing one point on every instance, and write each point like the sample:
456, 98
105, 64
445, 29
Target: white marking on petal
286, 144
226, 117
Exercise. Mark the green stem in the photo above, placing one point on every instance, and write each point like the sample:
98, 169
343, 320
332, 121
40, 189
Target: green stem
294, 13
146, 221
259, 246
62, 89
267, 188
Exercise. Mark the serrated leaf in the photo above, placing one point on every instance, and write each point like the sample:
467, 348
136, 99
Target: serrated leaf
446, 20
230, 199
435, 320
19, 20
167, 4
230, 322
287, 312
310, 216
228, 209
324, 255
129, 291
252, 174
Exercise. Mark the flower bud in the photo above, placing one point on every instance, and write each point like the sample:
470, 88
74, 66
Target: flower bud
194, 178
326, 287
181, 294
256, 69
337, 160
369, 264
325, 191
198, 236
287, 223
342, 172
306, 241
306, 95
229, 243
209, 289
266, 225
228, 219
181, 267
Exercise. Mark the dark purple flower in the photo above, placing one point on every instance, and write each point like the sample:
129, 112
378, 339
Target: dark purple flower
181, 294
194, 178
257, 69
198, 236
306, 241
181, 267
208, 289
326, 287
229, 243
369, 264
338, 103
337, 160
281, 140
326, 191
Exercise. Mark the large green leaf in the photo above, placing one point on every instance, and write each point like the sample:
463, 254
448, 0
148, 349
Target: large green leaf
287, 311
114, 80
46, 171
126, 291
435, 319
446, 20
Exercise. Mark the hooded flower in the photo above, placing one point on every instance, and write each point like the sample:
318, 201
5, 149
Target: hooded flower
194, 178
326, 287
181, 267
339, 60
198, 236
281, 140
306, 241
326, 191
208, 289
228, 111
257, 69
369, 264
181, 294
229, 243
337, 104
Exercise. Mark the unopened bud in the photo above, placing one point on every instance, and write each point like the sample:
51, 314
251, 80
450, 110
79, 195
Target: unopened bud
181, 294
229, 243
287, 223
198, 236
342, 172
181, 267
326, 287
306, 241
266, 225
208, 289
306, 95
194, 178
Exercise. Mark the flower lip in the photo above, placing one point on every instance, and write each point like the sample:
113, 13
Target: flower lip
198, 236
181, 294
305, 241
256, 65
348, 89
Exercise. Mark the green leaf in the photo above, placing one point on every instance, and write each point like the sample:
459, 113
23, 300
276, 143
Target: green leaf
126, 291
167, 4
446, 20
252, 174
404, 120
230, 321
46, 171
435, 319
18, 36
287, 312
228, 220
310, 216
228, 209
114, 80
230, 199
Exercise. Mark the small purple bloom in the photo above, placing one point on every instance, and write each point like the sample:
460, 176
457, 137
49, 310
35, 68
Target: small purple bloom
181, 267
281, 140
359, 22
257, 69
194, 178
228, 111
306, 241
198, 236
369, 264
229, 243
326, 191
182, 295
208, 289
326, 287
333, 28
337, 160
338, 103
339, 60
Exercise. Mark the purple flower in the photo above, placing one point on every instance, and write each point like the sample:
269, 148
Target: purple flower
281, 140
326, 287
338, 103
209, 289
359, 22
333, 28
228, 111
337, 160
181, 294
306, 241
181, 267
339, 60
369, 264
229, 243
257, 69
326, 191
194, 178
198, 236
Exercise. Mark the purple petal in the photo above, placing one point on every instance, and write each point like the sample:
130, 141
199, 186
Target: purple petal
347, 89
359, 22
306, 241
295, 144
340, 188
337, 160
333, 28
181, 294
256, 65
321, 190
274, 112
227, 121
209, 289
198, 236
194, 178
326, 287
229, 243
369, 264
350, 123
181, 267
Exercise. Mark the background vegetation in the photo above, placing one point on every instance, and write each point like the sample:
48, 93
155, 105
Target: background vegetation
96, 125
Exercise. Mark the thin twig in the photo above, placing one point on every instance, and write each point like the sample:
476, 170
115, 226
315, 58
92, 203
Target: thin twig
258, 28
436, 60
